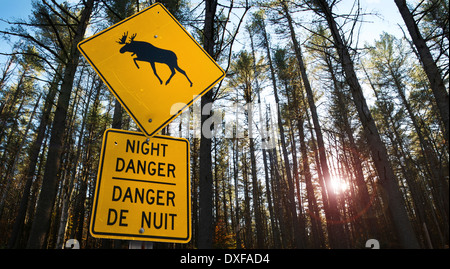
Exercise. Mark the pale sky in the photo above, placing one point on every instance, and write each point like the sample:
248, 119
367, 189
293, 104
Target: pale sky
371, 29
14, 9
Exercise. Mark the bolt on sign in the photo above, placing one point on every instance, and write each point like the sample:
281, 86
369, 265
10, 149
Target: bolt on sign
143, 188
152, 65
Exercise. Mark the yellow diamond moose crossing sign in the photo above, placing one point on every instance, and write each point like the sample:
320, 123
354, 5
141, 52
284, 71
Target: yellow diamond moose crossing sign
143, 188
152, 65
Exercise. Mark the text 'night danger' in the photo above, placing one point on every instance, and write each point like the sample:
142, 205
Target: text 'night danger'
143, 188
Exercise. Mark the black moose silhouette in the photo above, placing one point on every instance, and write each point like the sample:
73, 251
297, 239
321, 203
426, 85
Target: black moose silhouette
146, 52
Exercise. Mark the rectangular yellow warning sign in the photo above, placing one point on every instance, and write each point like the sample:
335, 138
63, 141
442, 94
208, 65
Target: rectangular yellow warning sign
143, 188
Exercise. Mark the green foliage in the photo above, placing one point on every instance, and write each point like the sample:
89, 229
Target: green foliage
248, 198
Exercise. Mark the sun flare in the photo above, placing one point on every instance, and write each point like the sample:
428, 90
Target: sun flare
338, 184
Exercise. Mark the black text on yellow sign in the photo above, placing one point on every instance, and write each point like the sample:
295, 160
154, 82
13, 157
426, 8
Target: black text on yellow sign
143, 188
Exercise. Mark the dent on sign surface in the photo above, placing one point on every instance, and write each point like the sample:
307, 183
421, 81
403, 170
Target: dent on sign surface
153, 66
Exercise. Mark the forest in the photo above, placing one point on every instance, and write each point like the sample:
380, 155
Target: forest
315, 139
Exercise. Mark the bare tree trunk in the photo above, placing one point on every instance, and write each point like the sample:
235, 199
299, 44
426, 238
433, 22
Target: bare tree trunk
402, 224
429, 65
47, 196
10, 172
291, 197
430, 157
10, 104
237, 226
362, 192
206, 221
255, 192
33, 157
194, 188
263, 138
117, 117
337, 237
248, 231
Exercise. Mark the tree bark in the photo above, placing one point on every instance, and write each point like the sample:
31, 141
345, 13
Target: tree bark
10, 172
206, 221
291, 197
337, 232
399, 216
255, 191
429, 65
363, 194
237, 226
47, 196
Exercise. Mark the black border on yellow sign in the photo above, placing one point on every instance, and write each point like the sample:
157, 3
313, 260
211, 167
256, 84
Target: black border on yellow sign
137, 235
118, 97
